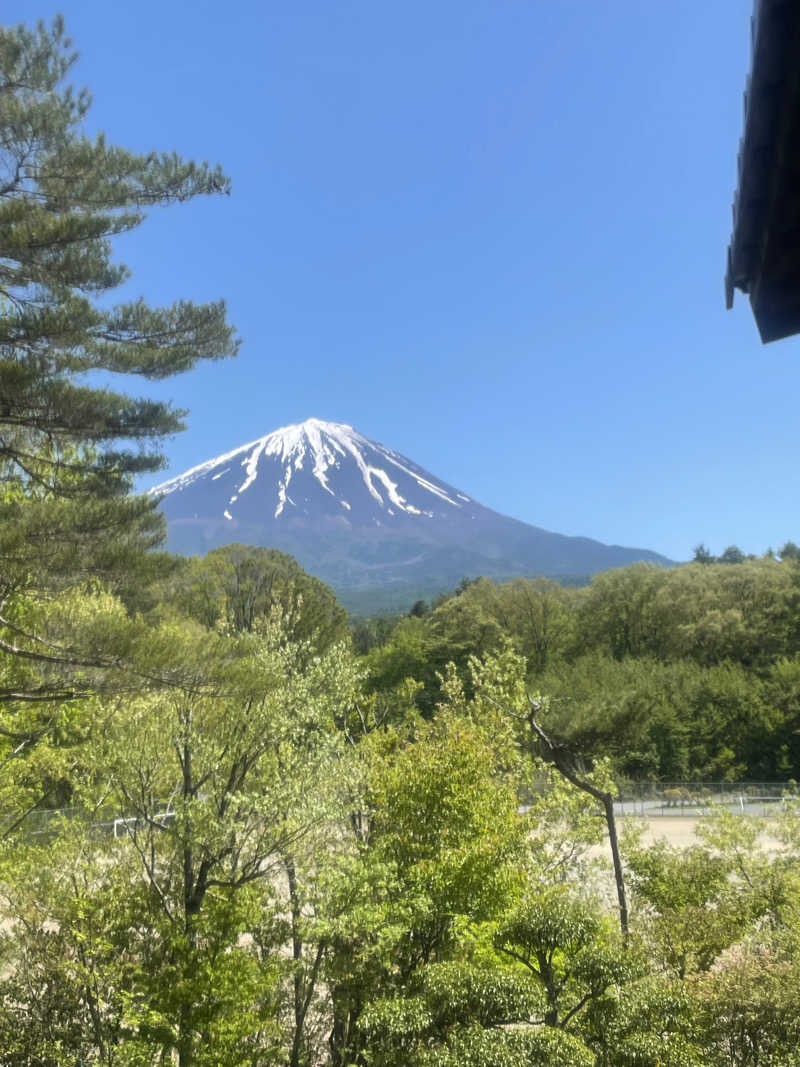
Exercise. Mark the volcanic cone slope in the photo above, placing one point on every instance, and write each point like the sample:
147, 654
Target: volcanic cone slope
363, 517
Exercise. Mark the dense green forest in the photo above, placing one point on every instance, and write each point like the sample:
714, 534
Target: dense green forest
236, 828
686, 673
273, 846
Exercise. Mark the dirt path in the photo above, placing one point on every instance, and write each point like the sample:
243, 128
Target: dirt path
680, 831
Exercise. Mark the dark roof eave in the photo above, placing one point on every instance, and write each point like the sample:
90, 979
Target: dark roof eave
760, 258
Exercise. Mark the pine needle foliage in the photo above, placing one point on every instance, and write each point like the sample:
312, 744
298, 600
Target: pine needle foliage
64, 197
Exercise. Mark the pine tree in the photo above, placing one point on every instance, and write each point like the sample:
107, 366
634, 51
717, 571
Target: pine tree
69, 450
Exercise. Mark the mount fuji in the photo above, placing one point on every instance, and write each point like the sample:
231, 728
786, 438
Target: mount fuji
364, 518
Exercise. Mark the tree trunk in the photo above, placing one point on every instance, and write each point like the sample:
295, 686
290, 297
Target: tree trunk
343, 1041
297, 959
185, 1049
611, 823
190, 905
566, 764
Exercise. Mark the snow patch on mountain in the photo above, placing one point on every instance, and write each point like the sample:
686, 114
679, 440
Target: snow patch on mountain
251, 465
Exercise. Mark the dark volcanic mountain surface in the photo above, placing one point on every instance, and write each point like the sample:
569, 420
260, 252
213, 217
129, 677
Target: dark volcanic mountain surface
361, 516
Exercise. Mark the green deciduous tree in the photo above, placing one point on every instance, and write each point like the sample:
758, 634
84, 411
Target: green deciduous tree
439, 850
237, 588
648, 1023
746, 1011
207, 791
620, 613
691, 915
564, 944
460, 1013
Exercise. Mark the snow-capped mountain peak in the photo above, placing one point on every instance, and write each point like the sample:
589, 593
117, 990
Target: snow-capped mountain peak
362, 517
294, 468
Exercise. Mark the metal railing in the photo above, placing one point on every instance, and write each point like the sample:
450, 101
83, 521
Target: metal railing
650, 799
693, 798
46, 822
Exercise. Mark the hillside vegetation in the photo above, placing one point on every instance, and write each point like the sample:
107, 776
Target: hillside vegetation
282, 843
689, 672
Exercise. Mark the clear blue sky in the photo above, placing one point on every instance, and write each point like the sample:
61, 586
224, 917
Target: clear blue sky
489, 234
